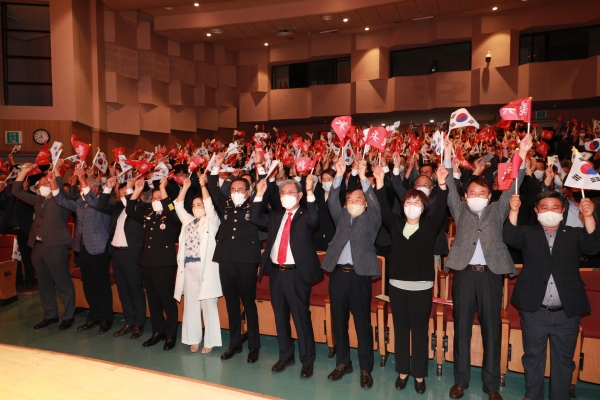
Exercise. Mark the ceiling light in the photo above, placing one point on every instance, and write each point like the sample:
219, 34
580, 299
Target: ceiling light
382, 124
418, 19
367, 28
208, 34
266, 44
169, 8
431, 121
345, 20
217, 31
197, 4
326, 17
494, 8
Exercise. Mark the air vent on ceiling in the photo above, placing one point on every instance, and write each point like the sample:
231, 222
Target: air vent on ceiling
284, 32
330, 31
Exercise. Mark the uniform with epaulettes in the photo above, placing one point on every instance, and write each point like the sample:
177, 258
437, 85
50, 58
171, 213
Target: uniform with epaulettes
237, 241
160, 236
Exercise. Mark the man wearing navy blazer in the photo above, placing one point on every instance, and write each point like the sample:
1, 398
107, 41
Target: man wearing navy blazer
291, 261
90, 240
351, 260
549, 292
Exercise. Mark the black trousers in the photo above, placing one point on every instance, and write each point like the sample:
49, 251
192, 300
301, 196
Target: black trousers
130, 286
350, 292
239, 282
95, 276
25, 271
562, 331
51, 265
482, 292
290, 294
410, 312
160, 285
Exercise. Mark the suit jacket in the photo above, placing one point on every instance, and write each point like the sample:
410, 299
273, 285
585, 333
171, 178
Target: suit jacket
22, 211
470, 227
304, 223
326, 230
50, 222
538, 264
134, 234
361, 232
91, 224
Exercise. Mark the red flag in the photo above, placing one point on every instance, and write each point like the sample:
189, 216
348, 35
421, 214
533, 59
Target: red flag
559, 119
414, 144
504, 124
173, 152
117, 151
492, 133
303, 164
34, 171
574, 121
160, 153
341, 125
505, 178
240, 134
81, 149
286, 159
196, 162
43, 157
377, 137
461, 159
542, 148
305, 146
547, 134
176, 178
189, 143
517, 109
516, 164
482, 135
316, 159
142, 166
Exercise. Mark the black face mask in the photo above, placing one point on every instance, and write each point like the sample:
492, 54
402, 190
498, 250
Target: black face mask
577, 196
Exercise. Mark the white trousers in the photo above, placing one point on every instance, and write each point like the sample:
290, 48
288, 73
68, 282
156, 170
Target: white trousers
191, 330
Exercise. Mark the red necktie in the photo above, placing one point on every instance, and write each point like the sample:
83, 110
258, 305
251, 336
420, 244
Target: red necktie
285, 239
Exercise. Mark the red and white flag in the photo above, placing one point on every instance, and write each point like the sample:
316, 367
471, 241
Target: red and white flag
81, 149
377, 137
341, 126
517, 109
44, 156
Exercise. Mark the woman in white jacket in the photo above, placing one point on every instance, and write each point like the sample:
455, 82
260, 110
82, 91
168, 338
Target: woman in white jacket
197, 275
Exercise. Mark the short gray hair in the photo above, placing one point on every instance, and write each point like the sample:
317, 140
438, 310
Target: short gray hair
291, 182
92, 183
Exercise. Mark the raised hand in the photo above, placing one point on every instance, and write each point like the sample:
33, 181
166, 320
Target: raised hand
72, 180
80, 174
25, 168
219, 160
362, 170
379, 174
261, 188
237, 173
186, 183
139, 186
442, 175
586, 207
525, 145
163, 182
130, 184
310, 182
59, 163
340, 167
51, 177
203, 179
396, 157
478, 166
515, 203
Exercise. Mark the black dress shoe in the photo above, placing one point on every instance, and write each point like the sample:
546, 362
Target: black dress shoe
46, 322
87, 326
65, 324
339, 372
154, 339
366, 380
307, 371
281, 365
169, 344
123, 331
420, 386
105, 326
136, 332
252, 356
401, 383
231, 351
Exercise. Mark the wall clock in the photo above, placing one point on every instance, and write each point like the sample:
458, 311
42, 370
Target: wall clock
41, 136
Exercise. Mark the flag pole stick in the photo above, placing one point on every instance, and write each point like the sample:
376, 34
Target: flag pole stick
582, 193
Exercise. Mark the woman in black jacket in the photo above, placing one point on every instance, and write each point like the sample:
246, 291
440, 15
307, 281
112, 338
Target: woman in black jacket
326, 231
411, 273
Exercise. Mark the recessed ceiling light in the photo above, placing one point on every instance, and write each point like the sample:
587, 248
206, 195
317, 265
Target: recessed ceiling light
431, 121
169, 8
326, 17
367, 28
382, 124
208, 34
345, 20
217, 31
266, 44
197, 4
494, 8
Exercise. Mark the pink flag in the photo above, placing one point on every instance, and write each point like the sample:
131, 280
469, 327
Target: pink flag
377, 137
341, 126
517, 109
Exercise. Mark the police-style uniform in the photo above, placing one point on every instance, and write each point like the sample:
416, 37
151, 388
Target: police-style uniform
238, 254
158, 259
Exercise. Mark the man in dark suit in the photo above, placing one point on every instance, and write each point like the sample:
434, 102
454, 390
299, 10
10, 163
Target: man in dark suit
125, 237
50, 239
352, 262
549, 291
292, 263
238, 254
158, 259
91, 238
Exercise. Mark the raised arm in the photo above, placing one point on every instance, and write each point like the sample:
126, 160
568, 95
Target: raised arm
257, 216
58, 193
168, 206
218, 197
387, 215
17, 187
438, 215
103, 204
504, 201
454, 201
311, 205
589, 239
211, 213
511, 233
333, 201
137, 214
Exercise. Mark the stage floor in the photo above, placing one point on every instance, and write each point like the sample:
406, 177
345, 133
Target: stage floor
16, 328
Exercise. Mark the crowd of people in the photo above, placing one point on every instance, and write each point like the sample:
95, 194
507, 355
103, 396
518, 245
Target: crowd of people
200, 231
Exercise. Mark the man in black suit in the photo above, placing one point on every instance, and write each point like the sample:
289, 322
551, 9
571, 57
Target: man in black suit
549, 291
158, 259
292, 263
125, 237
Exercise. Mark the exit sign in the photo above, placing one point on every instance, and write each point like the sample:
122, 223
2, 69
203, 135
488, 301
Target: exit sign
13, 137
540, 114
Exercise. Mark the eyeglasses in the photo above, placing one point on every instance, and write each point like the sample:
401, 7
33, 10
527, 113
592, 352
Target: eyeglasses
281, 194
241, 191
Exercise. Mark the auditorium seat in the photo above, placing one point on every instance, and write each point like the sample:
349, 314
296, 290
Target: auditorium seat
377, 290
445, 324
8, 271
80, 300
590, 324
515, 341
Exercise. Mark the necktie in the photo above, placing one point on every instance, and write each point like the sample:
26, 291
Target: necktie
285, 239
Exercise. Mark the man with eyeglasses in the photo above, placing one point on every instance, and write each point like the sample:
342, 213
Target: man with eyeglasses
238, 254
290, 259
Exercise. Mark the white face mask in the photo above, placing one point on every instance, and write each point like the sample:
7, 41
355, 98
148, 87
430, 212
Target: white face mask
425, 190
412, 211
45, 191
297, 179
401, 168
550, 218
157, 206
477, 203
355, 209
557, 181
288, 201
124, 201
539, 175
198, 212
327, 186
238, 198
582, 135
103, 180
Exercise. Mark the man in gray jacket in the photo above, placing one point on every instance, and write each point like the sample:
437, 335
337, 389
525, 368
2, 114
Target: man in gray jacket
479, 259
351, 260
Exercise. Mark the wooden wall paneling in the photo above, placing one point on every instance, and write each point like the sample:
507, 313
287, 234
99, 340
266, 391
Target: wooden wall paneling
59, 130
